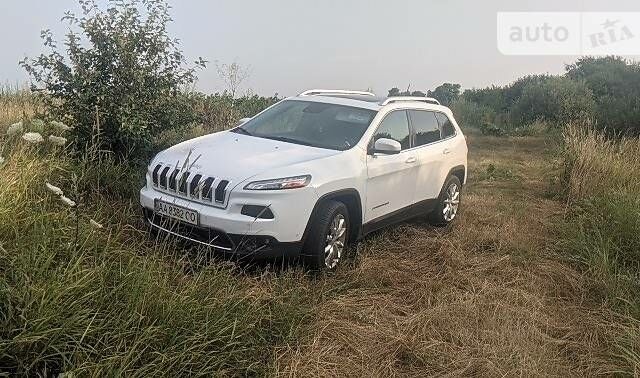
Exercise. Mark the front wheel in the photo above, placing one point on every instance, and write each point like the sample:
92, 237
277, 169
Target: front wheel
448, 202
328, 236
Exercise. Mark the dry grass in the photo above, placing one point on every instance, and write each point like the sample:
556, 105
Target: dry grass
485, 298
597, 165
16, 104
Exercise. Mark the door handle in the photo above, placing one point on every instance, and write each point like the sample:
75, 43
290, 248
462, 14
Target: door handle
411, 160
446, 151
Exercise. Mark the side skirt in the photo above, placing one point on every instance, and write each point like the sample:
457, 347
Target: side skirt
406, 213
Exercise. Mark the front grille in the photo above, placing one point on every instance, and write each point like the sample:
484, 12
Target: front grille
194, 187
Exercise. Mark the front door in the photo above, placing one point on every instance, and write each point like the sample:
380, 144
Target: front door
391, 179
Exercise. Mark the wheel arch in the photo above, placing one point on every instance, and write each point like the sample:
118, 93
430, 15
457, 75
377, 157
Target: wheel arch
352, 200
460, 171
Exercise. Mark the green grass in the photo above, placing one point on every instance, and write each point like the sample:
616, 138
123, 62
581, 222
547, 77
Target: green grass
113, 301
602, 230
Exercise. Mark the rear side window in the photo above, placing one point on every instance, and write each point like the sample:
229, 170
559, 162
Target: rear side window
446, 125
425, 126
395, 126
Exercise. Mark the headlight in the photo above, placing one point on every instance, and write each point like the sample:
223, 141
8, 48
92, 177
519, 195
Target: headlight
281, 183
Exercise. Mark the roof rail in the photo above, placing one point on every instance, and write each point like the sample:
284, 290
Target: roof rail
428, 100
316, 92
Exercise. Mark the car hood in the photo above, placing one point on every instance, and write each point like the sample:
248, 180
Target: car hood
237, 157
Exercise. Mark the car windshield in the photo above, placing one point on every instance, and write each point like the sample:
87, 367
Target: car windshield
309, 123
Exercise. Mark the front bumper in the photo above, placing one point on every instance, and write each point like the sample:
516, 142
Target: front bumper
243, 246
230, 231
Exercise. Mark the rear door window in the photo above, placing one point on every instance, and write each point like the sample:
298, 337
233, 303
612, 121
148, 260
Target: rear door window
446, 126
425, 127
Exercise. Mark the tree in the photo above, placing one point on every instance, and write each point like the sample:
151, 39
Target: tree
395, 92
120, 73
558, 100
447, 93
233, 75
615, 83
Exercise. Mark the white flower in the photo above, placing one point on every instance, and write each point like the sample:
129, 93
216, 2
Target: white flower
54, 189
58, 141
15, 128
33, 138
60, 126
95, 224
67, 201
1, 160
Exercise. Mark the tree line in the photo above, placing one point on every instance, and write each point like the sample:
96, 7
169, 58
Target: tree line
603, 92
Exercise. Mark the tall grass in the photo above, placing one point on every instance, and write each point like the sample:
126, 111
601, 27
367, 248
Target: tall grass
79, 299
602, 231
16, 103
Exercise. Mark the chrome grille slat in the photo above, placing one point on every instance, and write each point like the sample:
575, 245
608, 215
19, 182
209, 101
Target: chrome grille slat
221, 191
190, 185
163, 178
173, 184
183, 183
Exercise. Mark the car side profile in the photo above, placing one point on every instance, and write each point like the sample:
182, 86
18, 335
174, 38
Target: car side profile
309, 175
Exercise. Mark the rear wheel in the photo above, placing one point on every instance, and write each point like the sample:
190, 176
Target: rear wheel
448, 202
328, 236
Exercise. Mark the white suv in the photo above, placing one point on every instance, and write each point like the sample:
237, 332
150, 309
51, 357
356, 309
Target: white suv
309, 175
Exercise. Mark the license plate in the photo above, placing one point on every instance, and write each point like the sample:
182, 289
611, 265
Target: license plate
176, 212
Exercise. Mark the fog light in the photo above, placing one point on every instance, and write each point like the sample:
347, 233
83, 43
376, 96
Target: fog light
255, 211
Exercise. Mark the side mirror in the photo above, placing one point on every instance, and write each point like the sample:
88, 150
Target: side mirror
386, 146
242, 121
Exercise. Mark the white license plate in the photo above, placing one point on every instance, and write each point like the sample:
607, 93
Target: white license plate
176, 212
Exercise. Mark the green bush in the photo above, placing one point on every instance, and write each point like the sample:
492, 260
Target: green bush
615, 83
119, 76
556, 100
472, 114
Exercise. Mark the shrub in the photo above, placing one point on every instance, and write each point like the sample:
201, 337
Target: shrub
119, 76
472, 114
557, 100
615, 83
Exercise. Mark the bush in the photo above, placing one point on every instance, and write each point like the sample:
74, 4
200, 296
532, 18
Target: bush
118, 80
557, 100
615, 83
472, 114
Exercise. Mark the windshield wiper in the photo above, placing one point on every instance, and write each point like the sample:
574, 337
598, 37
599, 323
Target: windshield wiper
240, 130
289, 140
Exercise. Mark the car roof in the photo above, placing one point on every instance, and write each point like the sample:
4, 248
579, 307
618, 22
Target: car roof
369, 102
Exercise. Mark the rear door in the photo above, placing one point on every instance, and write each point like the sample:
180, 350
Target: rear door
391, 179
430, 154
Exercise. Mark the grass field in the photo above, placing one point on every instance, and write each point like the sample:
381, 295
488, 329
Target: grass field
508, 290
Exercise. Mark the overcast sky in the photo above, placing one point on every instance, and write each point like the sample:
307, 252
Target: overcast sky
292, 45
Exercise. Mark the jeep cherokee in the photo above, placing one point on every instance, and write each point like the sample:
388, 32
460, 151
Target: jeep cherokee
310, 174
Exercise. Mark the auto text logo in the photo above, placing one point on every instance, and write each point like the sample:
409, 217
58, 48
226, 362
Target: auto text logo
569, 33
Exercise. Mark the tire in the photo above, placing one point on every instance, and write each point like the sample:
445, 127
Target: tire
448, 206
324, 239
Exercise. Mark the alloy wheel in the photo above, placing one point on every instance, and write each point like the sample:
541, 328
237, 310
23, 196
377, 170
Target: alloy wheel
451, 202
335, 241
